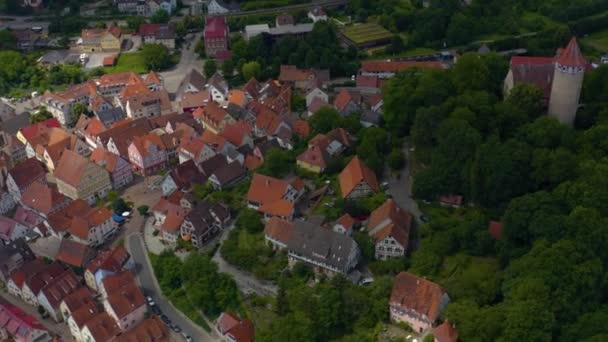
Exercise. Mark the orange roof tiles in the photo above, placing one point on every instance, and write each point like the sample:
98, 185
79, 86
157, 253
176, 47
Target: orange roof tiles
346, 221
237, 132
571, 56
353, 174
149, 330
71, 168
301, 128
265, 189
445, 332
237, 97
389, 210
102, 327
42, 198
282, 208
105, 157
126, 299
278, 229
74, 253
417, 294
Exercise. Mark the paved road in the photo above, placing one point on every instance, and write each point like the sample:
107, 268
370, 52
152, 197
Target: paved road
148, 283
322, 3
189, 60
400, 189
246, 282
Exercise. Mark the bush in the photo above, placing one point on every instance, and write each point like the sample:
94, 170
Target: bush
143, 210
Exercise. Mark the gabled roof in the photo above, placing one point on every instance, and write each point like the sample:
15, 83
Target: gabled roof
389, 210
102, 327
74, 253
344, 98
265, 189
71, 168
216, 27
195, 99
278, 229
27, 172
237, 132
125, 299
316, 104
571, 56
186, 174
346, 221
36, 129
445, 332
78, 298
417, 294
353, 174
106, 158
27, 270
315, 155
535, 70
281, 207
291, 73
18, 323
42, 198
238, 330
65, 284
149, 330
396, 231
110, 260
229, 173
301, 128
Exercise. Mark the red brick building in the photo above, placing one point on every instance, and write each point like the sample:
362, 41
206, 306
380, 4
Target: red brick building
216, 36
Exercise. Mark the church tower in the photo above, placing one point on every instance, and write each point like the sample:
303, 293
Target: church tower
567, 83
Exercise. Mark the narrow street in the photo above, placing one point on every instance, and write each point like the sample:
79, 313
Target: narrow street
189, 60
147, 282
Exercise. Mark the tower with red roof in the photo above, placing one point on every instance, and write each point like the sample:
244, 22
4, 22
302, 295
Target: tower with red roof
568, 76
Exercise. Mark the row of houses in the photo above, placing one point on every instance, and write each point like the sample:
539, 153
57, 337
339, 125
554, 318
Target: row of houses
105, 304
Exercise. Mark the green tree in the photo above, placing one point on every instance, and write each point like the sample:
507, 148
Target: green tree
7, 40
396, 159
156, 56
160, 17
133, 22
528, 98
251, 70
471, 73
295, 327
277, 163
250, 220
228, 67
78, 109
41, 115
210, 67
324, 120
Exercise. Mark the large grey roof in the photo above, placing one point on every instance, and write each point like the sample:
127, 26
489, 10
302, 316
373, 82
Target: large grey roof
321, 245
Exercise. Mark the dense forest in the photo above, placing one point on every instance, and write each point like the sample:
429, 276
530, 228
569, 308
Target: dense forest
545, 279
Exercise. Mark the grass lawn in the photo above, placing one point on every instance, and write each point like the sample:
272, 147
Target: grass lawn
598, 40
363, 33
133, 61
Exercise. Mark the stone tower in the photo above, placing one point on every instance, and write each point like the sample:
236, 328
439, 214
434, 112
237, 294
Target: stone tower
567, 83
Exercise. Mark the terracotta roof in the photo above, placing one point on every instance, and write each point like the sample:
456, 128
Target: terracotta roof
119, 78
495, 230
278, 229
174, 214
93, 217
265, 189
301, 128
216, 27
417, 294
237, 132
389, 210
396, 231
571, 56
36, 281
108, 159
252, 88
237, 97
110, 260
344, 98
92, 126
102, 327
144, 143
341, 135
315, 155
84, 313
238, 330
346, 221
195, 99
78, 299
152, 78
291, 73
74, 253
71, 168
216, 141
27, 270
148, 29
353, 174
36, 129
116, 281
126, 299
445, 332
252, 162
212, 113
535, 70
364, 81
149, 330
396, 66
42, 198
281, 207
62, 286
27, 172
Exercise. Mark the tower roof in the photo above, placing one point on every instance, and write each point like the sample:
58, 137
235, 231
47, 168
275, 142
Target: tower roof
571, 56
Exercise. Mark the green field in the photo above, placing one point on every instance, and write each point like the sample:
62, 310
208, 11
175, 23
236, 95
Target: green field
364, 33
133, 61
598, 40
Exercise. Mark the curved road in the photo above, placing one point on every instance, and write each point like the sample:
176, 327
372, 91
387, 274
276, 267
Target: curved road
147, 282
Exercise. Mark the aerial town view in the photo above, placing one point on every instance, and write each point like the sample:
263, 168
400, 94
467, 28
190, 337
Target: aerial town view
303, 170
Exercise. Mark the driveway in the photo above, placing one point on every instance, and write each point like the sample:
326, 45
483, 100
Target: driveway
148, 284
400, 189
189, 60
246, 282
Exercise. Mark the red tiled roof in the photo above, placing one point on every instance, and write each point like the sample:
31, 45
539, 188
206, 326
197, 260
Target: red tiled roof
17, 322
315, 155
65, 284
353, 174
445, 332
301, 128
535, 70
109, 61
367, 81
27, 172
110, 260
346, 221
265, 189
149, 330
396, 231
126, 299
571, 56
417, 294
71, 168
216, 27
291, 73
343, 99
148, 29
278, 229
102, 327
237, 132
35, 129
389, 210
74, 253
42, 198
281, 207
238, 330
27, 270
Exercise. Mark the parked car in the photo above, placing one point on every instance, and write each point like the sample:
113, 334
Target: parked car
165, 319
424, 218
176, 328
156, 310
187, 337
366, 281
150, 301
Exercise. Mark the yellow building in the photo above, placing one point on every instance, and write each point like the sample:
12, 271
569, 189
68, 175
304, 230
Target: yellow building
77, 177
100, 40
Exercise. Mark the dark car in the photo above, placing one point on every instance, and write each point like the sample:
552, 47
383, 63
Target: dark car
156, 310
424, 218
165, 319
175, 328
